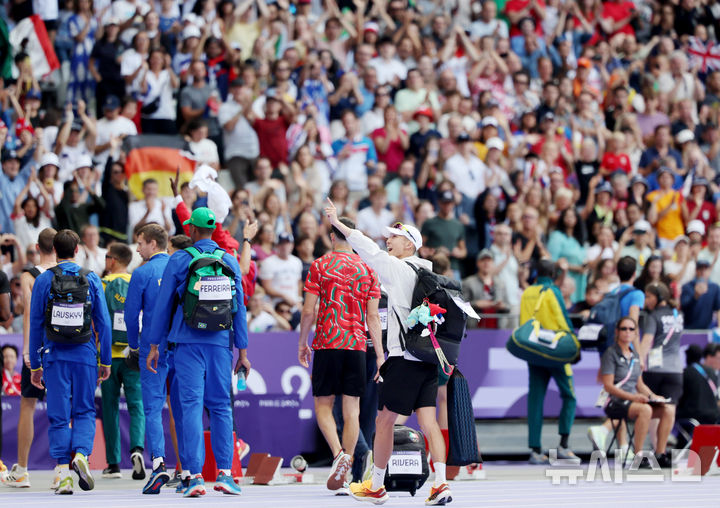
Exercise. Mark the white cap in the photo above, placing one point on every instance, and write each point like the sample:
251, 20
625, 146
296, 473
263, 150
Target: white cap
684, 136
489, 120
49, 159
495, 142
642, 225
191, 31
696, 226
371, 26
84, 162
406, 230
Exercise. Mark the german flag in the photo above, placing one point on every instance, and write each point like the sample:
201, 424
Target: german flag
157, 156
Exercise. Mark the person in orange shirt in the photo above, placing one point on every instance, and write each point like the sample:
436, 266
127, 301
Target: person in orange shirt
580, 83
668, 210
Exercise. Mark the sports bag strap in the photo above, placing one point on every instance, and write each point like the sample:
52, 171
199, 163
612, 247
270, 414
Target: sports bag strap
402, 330
539, 302
415, 268
194, 252
57, 271
445, 365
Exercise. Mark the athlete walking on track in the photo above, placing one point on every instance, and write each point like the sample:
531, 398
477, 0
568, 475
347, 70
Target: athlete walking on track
349, 293
201, 298
407, 384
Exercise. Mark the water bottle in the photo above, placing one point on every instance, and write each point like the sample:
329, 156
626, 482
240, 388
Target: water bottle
241, 384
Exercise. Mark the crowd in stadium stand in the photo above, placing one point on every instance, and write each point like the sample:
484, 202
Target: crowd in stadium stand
506, 131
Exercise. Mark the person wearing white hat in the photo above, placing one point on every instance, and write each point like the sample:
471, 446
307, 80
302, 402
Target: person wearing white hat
408, 384
640, 250
696, 230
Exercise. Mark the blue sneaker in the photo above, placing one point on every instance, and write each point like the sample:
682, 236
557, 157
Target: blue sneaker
158, 478
196, 487
182, 485
227, 485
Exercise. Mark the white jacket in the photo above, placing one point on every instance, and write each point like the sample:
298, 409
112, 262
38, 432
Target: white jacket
398, 280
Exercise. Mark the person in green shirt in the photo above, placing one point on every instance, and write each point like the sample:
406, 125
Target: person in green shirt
445, 231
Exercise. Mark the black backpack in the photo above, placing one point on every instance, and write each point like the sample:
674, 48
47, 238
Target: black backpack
69, 308
598, 332
439, 290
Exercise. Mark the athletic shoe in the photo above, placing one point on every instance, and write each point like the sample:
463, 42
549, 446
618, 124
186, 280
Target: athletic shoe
14, 478
338, 474
242, 448
182, 485
112, 471
568, 455
367, 465
158, 478
65, 486
138, 463
626, 454
57, 477
538, 458
439, 495
82, 468
226, 484
363, 492
3, 471
174, 479
196, 487
598, 436
344, 490
664, 460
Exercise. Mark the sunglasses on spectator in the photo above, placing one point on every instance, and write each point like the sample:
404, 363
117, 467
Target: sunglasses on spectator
401, 226
627, 328
108, 256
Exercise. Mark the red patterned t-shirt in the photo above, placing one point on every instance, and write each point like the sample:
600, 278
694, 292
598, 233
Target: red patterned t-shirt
344, 284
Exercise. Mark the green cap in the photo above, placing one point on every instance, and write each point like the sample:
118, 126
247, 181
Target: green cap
202, 217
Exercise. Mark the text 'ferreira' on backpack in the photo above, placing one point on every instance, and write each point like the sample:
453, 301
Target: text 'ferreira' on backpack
209, 301
69, 308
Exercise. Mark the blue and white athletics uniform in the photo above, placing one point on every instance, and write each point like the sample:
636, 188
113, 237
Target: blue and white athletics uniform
142, 296
203, 362
70, 372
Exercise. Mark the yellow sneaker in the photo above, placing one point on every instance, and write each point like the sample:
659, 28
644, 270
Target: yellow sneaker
363, 492
439, 495
3, 471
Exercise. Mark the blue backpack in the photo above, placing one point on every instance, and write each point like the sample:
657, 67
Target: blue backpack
599, 330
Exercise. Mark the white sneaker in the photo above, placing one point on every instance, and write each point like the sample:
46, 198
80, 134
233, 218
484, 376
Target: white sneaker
15, 478
57, 477
340, 469
598, 437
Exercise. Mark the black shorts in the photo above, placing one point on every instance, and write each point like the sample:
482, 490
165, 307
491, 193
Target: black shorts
338, 372
617, 409
407, 385
665, 384
27, 389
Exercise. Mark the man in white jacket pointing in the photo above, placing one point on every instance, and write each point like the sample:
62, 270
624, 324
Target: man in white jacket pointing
407, 384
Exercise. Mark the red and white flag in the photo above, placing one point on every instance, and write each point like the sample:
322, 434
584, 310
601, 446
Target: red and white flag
705, 56
31, 36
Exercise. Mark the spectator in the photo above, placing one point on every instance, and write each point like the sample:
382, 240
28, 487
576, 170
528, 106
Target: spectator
157, 84
566, 243
280, 273
466, 170
114, 217
111, 128
375, 218
391, 141
700, 298
652, 272
152, 208
444, 231
90, 255
483, 290
241, 143
640, 250
204, 148
76, 207
104, 64
12, 181
356, 155
200, 100
28, 218
711, 251
10, 377
82, 27
681, 266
